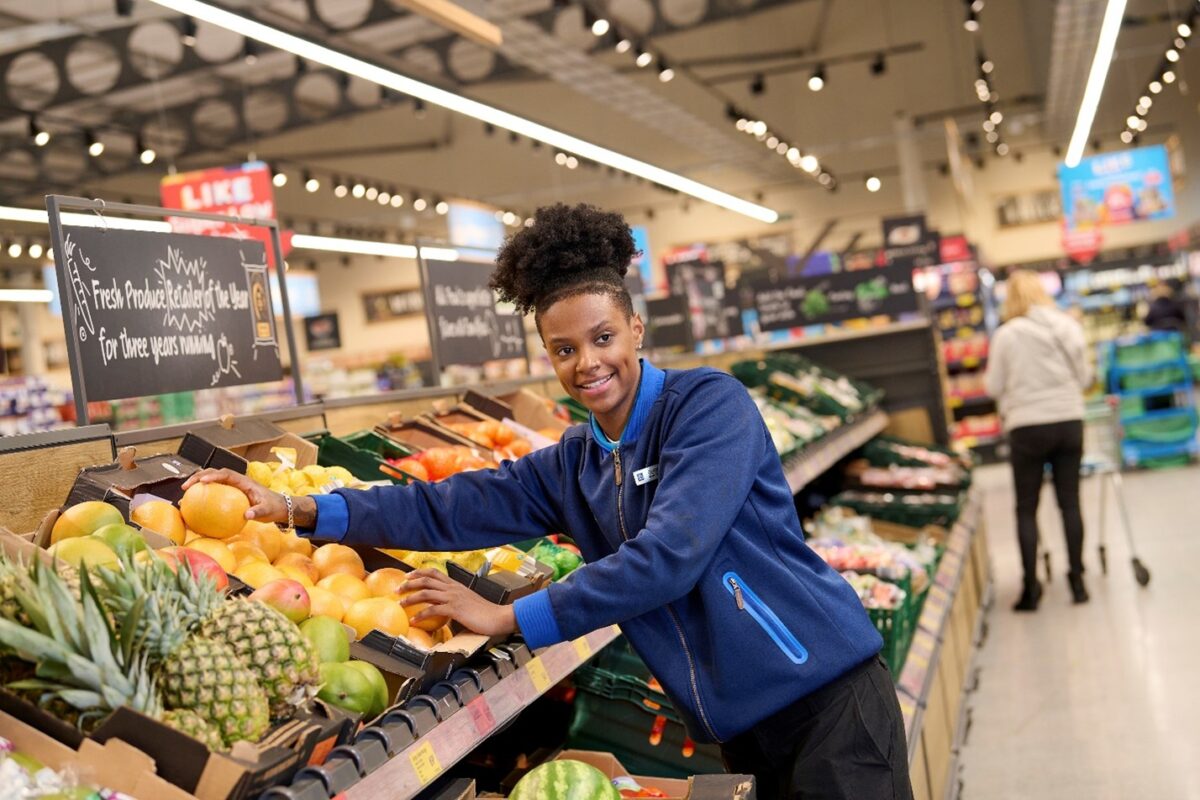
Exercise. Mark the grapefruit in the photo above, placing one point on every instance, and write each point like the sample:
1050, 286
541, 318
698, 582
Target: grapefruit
300, 563
334, 559
84, 519
297, 544
347, 587
214, 509
387, 581
216, 550
258, 574
245, 551
419, 638
325, 603
381, 614
266, 536
429, 624
161, 517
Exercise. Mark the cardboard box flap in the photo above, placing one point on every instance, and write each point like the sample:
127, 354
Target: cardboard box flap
241, 440
522, 406
239, 432
161, 475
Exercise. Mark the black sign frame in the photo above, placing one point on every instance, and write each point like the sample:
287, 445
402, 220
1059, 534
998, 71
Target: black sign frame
437, 352
56, 204
314, 340
840, 297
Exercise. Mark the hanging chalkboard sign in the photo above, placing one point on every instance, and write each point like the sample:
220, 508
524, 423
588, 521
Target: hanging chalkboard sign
464, 323
151, 313
669, 324
837, 297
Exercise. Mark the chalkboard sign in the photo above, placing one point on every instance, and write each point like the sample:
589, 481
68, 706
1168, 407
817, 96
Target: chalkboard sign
670, 324
908, 242
837, 297
164, 312
465, 327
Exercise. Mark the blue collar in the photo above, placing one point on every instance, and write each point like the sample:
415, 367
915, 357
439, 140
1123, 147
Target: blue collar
649, 388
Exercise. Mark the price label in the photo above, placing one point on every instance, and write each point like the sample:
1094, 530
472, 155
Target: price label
538, 675
425, 763
583, 648
481, 715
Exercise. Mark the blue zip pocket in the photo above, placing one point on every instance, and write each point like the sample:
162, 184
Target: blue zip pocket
748, 601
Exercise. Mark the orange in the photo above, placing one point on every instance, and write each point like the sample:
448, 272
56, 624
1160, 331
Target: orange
332, 559
429, 623
387, 581
161, 517
420, 638
347, 587
268, 538
214, 509
296, 574
217, 551
191, 536
297, 544
302, 563
377, 614
325, 603
244, 551
257, 574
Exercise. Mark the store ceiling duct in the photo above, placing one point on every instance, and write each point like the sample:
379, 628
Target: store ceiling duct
334, 59
1076, 32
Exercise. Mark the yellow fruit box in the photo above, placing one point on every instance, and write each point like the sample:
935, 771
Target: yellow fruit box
230, 443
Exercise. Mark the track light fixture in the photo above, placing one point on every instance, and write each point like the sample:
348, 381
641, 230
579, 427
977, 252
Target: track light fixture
250, 52
95, 147
600, 27
644, 58
371, 193
383, 198
873, 184
816, 81
623, 45
442, 208
35, 250
340, 189
420, 204
665, 73
879, 65
311, 184
40, 136
971, 23
758, 85
358, 191
146, 153
187, 32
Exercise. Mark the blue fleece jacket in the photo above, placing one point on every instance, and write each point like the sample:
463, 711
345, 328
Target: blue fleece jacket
692, 545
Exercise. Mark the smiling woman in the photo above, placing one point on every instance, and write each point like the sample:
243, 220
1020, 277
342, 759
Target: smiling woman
677, 500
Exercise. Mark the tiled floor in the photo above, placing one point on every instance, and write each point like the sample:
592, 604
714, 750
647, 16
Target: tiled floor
1102, 700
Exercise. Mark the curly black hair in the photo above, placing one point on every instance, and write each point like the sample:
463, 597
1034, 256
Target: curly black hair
568, 251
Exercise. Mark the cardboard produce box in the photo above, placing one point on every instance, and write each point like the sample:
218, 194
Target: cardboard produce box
230, 443
115, 765
522, 406
422, 433
117, 483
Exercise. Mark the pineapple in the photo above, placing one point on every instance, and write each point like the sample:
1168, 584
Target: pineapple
281, 657
191, 723
277, 655
84, 666
194, 672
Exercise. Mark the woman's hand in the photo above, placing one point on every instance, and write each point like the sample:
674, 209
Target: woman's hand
265, 505
449, 598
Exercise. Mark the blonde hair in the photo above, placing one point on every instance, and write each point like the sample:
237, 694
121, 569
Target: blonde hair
1024, 291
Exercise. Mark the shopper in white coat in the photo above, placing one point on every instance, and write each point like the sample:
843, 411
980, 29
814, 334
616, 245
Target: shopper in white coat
1038, 371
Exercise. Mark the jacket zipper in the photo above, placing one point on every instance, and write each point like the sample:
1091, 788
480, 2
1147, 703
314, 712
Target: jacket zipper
674, 617
767, 619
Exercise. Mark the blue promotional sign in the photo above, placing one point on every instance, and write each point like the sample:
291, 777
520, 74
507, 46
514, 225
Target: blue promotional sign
474, 227
1116, 188
643, 264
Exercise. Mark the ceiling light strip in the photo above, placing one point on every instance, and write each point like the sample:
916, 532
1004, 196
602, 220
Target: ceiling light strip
25, 296
381, 76
1109, 29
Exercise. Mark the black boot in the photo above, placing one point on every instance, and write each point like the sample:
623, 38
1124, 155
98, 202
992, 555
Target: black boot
1030, 597
1079, 593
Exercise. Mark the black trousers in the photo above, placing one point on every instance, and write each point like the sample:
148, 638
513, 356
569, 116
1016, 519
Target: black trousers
1059, 444
845, 740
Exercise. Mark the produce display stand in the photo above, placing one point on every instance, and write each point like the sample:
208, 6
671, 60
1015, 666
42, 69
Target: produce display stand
939, 672
813, 461
37, 470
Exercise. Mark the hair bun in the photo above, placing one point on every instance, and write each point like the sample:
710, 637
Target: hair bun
565, 246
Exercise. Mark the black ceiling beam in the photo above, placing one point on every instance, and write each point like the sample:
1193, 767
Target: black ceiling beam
864, 56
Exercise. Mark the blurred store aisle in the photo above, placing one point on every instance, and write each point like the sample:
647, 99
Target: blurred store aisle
1097, 701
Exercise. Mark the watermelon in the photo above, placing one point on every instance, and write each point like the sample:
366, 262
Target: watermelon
564, 780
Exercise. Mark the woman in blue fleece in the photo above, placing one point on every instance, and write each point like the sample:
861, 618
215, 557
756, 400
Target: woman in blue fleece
675, 495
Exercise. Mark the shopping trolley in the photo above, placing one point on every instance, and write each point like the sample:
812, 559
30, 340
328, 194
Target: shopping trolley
1102, 459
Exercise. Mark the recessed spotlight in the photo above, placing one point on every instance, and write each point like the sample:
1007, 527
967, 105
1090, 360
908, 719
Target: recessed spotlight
397, 200
1168, 76
996, 117
781, 148
810, 164
1184, 30
1155, 87
1145, 100
993, 137
279, 178
874, 184
14, 250
989, 126
772, 141
35, 250
759, 128
442, 208
1126, 136
372, 193
1002, 149
384, 198
359, 190
560, 159
572, 162
1180, 43
793, 154
741, 124
420, 204
1172, 55
509, 218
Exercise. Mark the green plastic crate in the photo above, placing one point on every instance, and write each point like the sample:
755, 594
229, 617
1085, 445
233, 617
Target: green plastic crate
897, 626
1170, 375
617, 711
1149, 349
362, 453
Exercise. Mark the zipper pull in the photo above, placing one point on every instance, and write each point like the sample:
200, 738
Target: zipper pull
617, 464
737, 594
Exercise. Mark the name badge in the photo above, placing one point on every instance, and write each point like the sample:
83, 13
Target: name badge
644, 476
